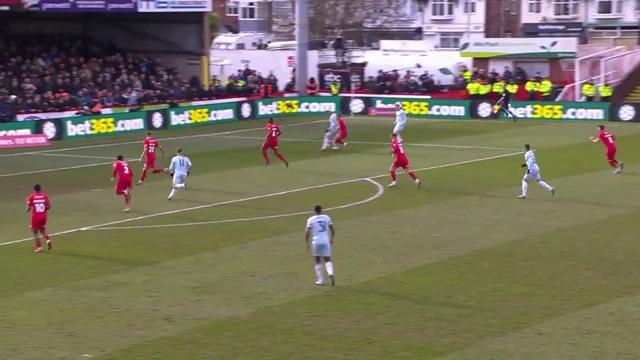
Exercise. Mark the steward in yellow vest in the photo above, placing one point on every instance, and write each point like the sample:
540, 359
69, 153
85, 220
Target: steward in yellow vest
589, 91
473, 88
484, 89
512, 88
606, 91
532, 87
498, 87
545, 89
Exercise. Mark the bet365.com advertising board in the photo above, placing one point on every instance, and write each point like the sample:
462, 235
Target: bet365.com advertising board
546, 111
104, 125
306, 105
17, 128
421, 107
202, 115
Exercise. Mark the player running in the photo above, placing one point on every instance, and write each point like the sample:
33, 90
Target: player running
330, 134
503, 105
321, 232
272, 141
179, 169
609, 140
122, 170
533, 173
344, 132
151, 146
401, 161
401, 121
38, 203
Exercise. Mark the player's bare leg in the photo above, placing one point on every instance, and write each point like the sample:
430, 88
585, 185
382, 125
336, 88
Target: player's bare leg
413, 175
328, 264
47, 239
319, 271
127, 201
36, 242
143, 175
394, 176
281, 157
265, 155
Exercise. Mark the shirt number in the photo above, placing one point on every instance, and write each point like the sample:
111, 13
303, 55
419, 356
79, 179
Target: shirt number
40, 208
322, 225
125, 169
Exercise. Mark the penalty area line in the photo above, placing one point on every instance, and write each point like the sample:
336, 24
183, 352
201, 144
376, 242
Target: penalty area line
435, 167
378, 194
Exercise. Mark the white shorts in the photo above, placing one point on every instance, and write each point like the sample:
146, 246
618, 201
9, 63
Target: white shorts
321, 249
532, 175
179, 179
398, 129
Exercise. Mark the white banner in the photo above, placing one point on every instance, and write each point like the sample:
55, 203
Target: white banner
174, 5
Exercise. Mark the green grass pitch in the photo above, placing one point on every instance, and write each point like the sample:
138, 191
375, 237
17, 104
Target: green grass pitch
459, 269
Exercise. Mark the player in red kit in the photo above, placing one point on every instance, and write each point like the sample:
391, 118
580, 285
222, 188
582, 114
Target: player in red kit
609, 140
344, 132
151, 147
401, 161
38, 203
122, 170
272, 141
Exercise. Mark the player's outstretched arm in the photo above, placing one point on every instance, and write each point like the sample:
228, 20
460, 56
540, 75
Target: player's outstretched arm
333, 233
594, 139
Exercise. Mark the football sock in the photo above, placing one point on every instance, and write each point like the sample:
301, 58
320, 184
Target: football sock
180, 186
545, 185
172, 194
157, 171
46, 236
281, 157
339, 141
394, 176
319, 275
413, 175
525, 188
613, 163
265, 156
329, 266
127, 200
38, 244
144, 175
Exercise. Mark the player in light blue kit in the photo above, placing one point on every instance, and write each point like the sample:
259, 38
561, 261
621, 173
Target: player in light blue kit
321, 232
533, 173
180, 168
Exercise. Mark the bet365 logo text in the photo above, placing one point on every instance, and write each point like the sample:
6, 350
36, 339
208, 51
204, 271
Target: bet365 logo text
102, 126
199, 115
558, 112
295, 106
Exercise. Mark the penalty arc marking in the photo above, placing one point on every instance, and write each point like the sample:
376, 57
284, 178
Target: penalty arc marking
378, 194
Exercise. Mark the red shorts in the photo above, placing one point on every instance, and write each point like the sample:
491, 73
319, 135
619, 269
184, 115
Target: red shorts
402, 163
343, 135
151, 161
123, 184
38, 223
270, 144
611, 153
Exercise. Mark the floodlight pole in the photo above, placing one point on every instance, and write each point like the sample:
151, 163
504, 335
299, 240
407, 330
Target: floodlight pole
302, 45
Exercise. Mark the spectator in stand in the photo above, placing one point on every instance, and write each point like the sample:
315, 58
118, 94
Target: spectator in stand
312, 86
493, 76
521, 75
290, 86
507, 74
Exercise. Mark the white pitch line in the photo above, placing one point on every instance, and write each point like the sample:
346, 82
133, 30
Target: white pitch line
60, 169
435, 167
76, 156
383, 143
163, 139
380, 191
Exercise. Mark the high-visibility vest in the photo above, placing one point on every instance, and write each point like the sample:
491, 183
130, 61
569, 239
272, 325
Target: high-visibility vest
589, 90
606, 90
241, 83
473, 88
484, 89
335, 88
532, 86
498, 87
467, 75
512, 88
545, 87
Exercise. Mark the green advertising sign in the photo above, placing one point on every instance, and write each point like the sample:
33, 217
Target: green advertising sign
103, 125
202, 114
17, 128
595, 111
421, 107
306, 105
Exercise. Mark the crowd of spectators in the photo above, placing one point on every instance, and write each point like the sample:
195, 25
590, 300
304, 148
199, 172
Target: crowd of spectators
387, 82
55, 73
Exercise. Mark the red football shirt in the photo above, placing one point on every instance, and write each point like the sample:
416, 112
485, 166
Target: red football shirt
342, 124
608, 138
151, 145
398, 150
273, 131
39, 204
122, 169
